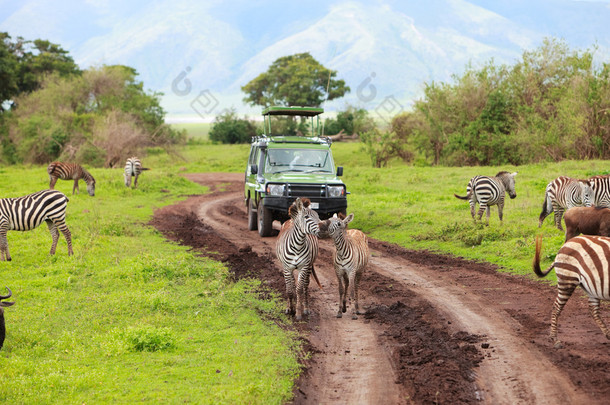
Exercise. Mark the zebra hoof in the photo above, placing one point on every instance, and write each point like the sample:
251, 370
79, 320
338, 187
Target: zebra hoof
339, 314
558, 345
354, 316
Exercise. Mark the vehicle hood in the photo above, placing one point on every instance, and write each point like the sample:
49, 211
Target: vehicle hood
298, 177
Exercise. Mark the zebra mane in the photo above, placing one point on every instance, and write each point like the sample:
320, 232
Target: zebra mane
502, 173
292, 210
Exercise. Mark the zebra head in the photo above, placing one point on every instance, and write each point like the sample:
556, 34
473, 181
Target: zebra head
91, 188
335, 226
509, 182
4, 304
304, 218
586, 193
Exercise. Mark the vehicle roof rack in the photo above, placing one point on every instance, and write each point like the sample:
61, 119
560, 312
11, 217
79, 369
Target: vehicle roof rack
293, 111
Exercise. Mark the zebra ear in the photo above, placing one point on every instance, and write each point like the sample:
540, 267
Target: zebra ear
514, 174
348, 219
298, 204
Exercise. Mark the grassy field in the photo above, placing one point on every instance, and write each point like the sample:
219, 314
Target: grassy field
130, 317
133, 318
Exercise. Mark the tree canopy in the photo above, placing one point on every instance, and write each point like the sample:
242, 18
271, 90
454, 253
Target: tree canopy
24, 64
295, 80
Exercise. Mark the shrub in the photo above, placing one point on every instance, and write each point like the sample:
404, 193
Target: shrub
228, 128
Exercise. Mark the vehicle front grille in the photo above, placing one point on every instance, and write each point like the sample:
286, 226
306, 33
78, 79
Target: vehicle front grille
306, 190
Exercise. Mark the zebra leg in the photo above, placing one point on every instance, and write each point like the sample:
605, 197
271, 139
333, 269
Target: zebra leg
135, 181
66, 232
289, 280
52, 182
594, 309
75, 187
482, 208
306, 275
302, 287
564, 292
4, 254
500, 212
558, 216
472, 209
353, 294
127, 180
339, 272
54, 235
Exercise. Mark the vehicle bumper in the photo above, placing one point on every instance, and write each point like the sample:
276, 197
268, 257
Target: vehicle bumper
326, 206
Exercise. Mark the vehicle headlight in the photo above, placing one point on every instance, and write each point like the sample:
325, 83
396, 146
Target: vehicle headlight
336, 191
276, 190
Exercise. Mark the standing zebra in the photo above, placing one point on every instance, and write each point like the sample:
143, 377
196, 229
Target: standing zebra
350, 258
67, 171
562, 194
133, 168
600, 188
488, 191
4, 304
581, 261
27, 212
296, 249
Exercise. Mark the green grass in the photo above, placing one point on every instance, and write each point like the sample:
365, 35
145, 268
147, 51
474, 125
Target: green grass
131, 317
195, 130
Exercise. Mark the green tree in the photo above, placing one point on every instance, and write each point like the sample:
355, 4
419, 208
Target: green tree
295, 80
351, 121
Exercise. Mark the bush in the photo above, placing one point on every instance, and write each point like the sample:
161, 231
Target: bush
351, 121
228, 128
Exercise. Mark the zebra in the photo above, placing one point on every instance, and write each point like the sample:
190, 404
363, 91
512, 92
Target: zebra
600, 188
488, 191
350, 258
27, 212
582, 261
4, 304
296, 249
562, 194
67, 171
133, 168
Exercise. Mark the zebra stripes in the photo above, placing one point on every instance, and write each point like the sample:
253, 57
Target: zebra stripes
600, 187
296, 249
133, 168
350, 258
562, 194
67, 171
488, 191
27, 212
583, 261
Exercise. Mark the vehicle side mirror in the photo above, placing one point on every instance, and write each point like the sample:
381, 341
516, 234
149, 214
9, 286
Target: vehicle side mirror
254, 169
339, 171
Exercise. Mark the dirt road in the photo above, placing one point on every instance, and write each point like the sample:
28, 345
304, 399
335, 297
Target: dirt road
437, 329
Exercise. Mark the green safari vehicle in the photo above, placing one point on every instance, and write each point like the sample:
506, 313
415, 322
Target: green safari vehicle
282, 168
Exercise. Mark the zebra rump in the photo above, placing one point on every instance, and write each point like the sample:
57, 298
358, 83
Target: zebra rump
133, 168
581, 261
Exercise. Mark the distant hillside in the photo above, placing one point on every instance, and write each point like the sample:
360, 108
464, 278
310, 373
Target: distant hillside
386, 50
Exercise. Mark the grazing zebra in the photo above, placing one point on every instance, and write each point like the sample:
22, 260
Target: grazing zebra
581, 261
27, 212
133, 168
350, 258
67, 171
4, 304
562, 194
296, 249
600, 187
488, 191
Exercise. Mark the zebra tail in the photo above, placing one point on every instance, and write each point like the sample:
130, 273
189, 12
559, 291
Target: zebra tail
145, 168
467, 197
536, 263
315, 277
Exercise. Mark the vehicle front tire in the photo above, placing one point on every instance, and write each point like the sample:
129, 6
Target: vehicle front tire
265, 221
252, 216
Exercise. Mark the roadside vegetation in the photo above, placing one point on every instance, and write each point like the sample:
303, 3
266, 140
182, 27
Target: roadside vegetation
131, 317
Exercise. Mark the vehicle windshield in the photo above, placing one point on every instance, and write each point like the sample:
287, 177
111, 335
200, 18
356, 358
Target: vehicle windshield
298, 160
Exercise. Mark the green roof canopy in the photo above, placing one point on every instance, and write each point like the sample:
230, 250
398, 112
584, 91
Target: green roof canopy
293, 111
